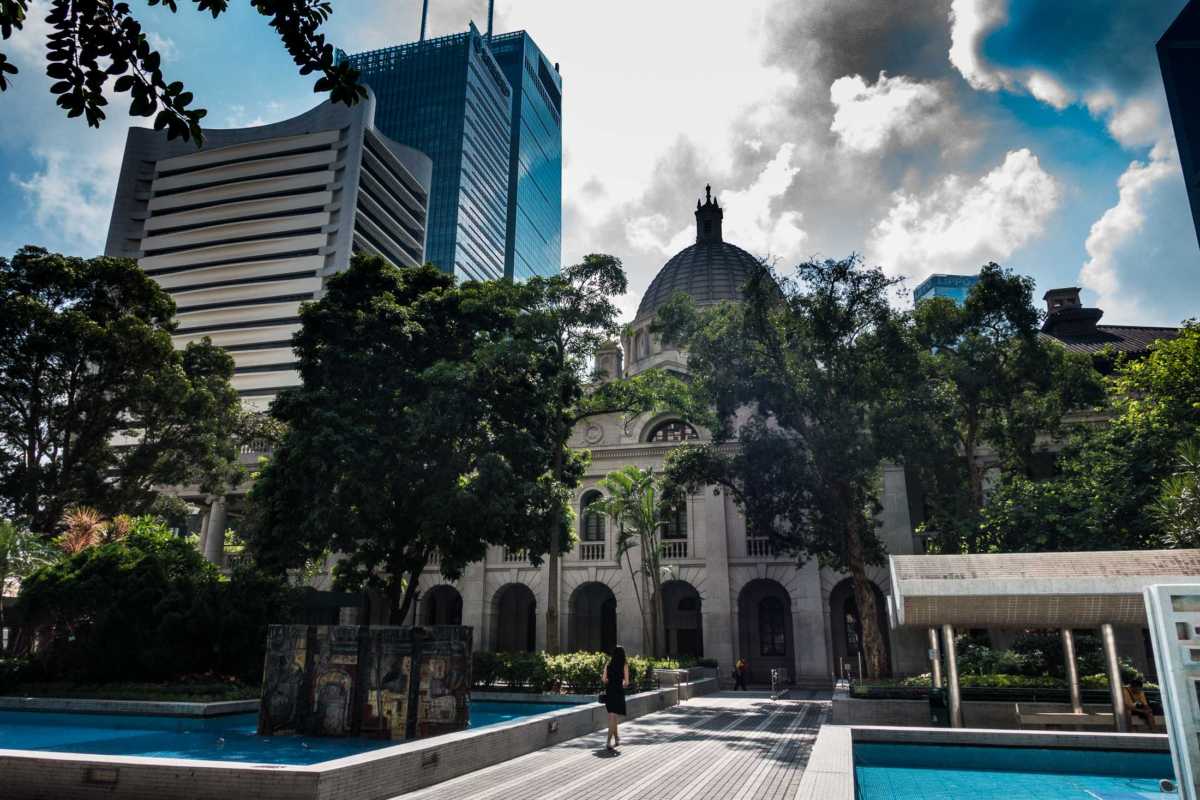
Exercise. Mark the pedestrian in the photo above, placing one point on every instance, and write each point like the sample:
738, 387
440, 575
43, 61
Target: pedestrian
739, 674
616, 678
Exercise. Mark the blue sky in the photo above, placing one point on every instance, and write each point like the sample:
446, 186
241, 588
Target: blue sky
930, 137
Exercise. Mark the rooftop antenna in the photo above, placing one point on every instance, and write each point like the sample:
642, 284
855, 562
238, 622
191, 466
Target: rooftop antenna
491, 9
424, 17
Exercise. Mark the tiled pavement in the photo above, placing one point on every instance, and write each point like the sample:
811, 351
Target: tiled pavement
732, 746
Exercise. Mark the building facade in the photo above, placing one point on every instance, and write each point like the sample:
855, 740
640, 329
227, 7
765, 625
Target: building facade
955, 287
533, 238
448, 98
245, 229
488, 111
726, 594
1179, 60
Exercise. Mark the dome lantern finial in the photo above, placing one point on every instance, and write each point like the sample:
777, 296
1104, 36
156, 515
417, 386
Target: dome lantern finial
708, 218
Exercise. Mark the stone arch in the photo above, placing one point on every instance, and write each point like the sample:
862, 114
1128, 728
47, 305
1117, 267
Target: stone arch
592, 618
442, 605
665, 424
682, 619
514, 619
845, 626
765, 629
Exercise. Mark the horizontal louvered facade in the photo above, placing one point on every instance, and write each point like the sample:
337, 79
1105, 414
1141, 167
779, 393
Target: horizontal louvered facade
244, 230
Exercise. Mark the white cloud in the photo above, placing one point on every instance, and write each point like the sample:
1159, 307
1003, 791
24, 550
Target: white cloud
72, 195
960, 225
758, 225
164, 45
1119, 227
970, 23
754, 224
867, 116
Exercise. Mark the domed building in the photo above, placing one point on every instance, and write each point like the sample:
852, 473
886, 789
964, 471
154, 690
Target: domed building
726, 595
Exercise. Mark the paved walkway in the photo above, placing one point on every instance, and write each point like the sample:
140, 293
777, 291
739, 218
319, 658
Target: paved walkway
731, 746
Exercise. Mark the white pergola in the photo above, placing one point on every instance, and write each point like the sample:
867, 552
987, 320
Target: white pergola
1032, 590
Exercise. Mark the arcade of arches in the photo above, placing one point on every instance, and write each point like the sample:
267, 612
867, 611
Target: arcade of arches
442, 605
592, 618
514, 619
765, 629
845, 627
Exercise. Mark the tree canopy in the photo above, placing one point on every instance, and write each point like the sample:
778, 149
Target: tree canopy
96, 405
417, 434
94, 41
804, 375
1114, 481
992, 385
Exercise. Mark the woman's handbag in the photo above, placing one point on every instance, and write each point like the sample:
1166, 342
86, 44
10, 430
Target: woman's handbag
602, 698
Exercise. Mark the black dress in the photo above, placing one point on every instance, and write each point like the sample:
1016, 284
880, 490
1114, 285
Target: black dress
614, 690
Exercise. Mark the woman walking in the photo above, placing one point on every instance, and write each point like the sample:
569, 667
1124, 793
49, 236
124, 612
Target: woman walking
616, 678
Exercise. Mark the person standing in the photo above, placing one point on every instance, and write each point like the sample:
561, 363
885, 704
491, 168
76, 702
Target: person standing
739, 674
616, 678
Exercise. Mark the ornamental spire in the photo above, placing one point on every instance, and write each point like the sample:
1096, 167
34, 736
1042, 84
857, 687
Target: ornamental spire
708, 218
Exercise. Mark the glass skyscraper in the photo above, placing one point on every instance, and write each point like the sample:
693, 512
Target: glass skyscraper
956, 287
533, 243
448, 98
489, 115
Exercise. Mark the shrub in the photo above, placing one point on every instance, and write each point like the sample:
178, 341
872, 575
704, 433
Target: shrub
576, 673
149, 607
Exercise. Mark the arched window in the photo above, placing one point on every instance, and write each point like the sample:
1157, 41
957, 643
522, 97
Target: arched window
675, 522
675, 430
641, 345
592, 528
772, 634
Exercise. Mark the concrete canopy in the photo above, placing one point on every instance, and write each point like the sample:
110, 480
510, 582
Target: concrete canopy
1045, 590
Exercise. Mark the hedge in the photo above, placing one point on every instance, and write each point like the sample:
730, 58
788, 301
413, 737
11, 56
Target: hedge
575, 673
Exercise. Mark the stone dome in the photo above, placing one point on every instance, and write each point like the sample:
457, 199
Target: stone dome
711, 270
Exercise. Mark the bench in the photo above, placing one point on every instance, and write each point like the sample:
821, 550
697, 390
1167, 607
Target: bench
1063, 718
1071, 719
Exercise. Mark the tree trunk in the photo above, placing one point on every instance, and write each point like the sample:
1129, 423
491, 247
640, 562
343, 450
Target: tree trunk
552, 638
974, 472
402, 599
874, 649
658, 633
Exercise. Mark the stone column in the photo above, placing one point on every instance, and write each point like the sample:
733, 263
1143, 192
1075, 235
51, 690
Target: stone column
935, 659
473, 600
719, 642
1068, 641
952, 676
214, 544
204, 529
1114, 677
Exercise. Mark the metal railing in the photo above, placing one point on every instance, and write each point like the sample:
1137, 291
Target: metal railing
675, 548
591, 551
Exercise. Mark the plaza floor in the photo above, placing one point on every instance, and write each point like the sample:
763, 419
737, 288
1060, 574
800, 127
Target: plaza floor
729, 745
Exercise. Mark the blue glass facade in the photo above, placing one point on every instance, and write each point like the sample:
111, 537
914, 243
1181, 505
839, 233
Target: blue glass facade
956, 287
534, 221
448, 98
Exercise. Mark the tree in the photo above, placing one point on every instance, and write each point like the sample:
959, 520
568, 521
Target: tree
1177, 510
803, 375
1113, 479
991, 382
566, 318
97, 408
639, 503
417, 433
94, 41
21, 552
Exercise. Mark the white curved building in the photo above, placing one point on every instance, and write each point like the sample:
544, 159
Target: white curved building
245, 229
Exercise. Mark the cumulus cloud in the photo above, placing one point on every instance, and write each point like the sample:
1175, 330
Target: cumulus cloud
959, 225
866, 116
1110, 239
73, 195
971, 21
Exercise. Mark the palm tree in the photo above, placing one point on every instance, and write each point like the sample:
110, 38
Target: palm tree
637, 501
21, 552
1178, 506
84, 527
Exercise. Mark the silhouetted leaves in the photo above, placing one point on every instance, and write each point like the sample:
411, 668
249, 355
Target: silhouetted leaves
95, 40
